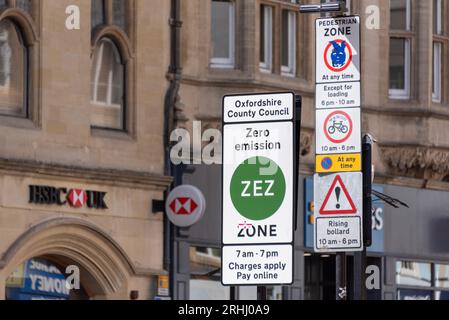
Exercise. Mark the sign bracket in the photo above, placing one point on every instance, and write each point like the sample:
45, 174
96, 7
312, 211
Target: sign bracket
337, 7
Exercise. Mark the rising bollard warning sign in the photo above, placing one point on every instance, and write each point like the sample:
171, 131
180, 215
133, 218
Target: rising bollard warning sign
338, 200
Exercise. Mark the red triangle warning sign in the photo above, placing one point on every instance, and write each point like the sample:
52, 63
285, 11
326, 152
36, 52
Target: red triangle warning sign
338, 200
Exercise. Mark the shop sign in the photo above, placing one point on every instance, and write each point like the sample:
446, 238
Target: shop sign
75, 198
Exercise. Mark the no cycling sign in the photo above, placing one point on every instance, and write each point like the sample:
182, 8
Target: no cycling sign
338, 131
258, 189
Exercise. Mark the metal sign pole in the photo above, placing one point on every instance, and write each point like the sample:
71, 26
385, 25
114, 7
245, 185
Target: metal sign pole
341, 277
233, 296
329, 148
298, 119
261, 293
360, 258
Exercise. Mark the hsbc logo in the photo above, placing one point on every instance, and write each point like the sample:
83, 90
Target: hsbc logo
183, 206
75, 198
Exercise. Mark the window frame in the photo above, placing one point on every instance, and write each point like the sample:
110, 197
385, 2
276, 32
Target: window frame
109, 94
26, 76
121, 38
437, 71
439, 57
290, 69
407, 35
439, 18
403, 94
229, 62
266, 66
434, 288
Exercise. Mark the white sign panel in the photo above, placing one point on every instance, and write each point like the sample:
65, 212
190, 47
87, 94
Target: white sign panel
255, 265
258, 108
339, 212
338, 95
338, 131
338, 49
258, 183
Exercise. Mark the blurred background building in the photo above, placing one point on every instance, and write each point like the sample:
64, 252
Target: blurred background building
261, 45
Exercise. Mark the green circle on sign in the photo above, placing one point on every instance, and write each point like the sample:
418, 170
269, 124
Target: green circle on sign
258, 188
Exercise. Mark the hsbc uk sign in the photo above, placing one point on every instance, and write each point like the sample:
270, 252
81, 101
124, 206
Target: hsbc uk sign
75, 198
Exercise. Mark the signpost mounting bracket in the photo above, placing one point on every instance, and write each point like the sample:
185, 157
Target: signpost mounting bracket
338, 7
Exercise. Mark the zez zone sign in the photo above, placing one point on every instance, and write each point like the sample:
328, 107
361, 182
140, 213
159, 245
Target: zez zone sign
258, 188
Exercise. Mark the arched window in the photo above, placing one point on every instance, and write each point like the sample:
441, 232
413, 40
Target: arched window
108, 86
13, 70
112, 67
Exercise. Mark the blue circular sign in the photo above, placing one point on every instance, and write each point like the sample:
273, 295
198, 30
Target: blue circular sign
326, 163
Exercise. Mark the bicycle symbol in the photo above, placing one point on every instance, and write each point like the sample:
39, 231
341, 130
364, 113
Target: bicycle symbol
338, 126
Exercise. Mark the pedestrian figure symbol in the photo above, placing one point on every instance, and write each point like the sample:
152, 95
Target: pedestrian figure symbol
338, 54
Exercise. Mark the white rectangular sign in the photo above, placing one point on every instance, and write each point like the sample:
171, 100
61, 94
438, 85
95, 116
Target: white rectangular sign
338, 202
338, 131
258, 183
337, 95
338, 49
257, 265
258, 107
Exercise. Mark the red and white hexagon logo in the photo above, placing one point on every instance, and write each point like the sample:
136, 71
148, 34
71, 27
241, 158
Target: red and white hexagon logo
183, 205
77, 198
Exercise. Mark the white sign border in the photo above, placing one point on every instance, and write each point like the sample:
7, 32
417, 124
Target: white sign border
295, 185
292, 245
292, 118
317, 215
359, 51
359, 119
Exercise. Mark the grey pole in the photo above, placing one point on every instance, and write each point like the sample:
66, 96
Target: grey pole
341, 277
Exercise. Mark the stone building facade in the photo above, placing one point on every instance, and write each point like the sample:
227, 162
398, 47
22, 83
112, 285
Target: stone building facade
267, 45
85, 115
415, 151
82, 156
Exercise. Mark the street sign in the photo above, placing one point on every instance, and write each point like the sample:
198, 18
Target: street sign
338, 49
338, 163
163, 289
258, 183
185, 206
258, 107
258, 179
252, 265
339, 212
338, 131
337, 95
338, 196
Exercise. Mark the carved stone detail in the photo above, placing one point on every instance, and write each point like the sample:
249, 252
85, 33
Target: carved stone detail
306, 140
417, 162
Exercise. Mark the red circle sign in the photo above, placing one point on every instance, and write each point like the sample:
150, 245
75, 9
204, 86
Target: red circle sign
342, 128
326, 56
